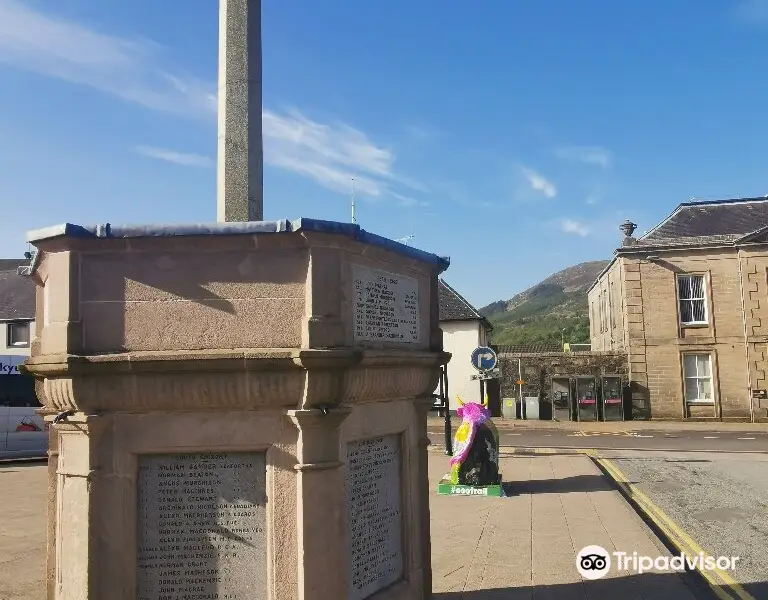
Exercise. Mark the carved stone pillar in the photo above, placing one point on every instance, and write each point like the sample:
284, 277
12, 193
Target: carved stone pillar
321, 500
422, 407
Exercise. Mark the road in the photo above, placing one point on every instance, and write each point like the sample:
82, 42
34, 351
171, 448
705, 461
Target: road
719, 499
646, 439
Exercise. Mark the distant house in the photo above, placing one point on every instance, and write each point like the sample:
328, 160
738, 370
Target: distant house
17, 327
688, 303
464, 329
17, 310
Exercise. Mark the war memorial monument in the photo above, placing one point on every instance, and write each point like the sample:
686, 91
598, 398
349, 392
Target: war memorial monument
238, 409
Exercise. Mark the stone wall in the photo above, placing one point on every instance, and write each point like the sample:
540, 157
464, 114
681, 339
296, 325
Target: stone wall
658, 341
734, 334
538, 370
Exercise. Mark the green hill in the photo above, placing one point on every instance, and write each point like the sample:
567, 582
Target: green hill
541, 313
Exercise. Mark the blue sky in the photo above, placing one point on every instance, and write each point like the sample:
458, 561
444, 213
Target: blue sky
512, 136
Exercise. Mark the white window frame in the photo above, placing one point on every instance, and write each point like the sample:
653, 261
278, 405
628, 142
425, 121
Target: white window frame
612, 313
691, 300
603, 313
10, 325
697, 378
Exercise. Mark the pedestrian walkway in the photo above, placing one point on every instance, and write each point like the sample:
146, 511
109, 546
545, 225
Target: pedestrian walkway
520, 547
524, 546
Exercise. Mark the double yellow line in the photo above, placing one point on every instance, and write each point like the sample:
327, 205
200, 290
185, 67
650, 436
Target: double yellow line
722, 584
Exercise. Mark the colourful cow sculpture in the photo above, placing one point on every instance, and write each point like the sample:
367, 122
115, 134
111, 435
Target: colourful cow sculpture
475, 459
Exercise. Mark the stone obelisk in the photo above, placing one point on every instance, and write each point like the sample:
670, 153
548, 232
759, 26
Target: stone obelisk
240, 154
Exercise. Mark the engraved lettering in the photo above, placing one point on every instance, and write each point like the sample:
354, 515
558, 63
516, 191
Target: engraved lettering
202, 523
374, 515
386, 306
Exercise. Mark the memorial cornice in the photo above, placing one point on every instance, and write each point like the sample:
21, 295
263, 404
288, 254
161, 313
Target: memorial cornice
235, 379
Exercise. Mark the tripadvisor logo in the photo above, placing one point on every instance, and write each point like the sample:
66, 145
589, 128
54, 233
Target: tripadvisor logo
594, 562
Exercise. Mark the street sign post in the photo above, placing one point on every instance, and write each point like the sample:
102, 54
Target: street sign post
483, 375
483, 358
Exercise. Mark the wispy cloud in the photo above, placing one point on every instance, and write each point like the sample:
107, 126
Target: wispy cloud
131, 69
575, 227
123, 67
408, 201
422, 134
752, 11
333, 155
591, 155
184, 159
539, 183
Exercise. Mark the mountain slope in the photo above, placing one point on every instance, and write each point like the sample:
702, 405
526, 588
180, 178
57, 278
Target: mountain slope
541, 313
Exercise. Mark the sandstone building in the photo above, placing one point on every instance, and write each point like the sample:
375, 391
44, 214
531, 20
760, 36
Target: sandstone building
688, 303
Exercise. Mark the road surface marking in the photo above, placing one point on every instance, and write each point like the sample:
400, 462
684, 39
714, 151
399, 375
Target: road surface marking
622, 433
644, 436
514, 434
748, 438
711, 437
679, 538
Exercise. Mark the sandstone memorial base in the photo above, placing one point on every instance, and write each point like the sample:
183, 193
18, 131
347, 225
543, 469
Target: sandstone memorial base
241, 411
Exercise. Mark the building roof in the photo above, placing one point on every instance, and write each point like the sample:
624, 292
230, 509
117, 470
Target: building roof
454, 307
703, 223
17, 293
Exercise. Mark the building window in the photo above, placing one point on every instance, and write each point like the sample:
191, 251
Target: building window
603, 328
697, 370
602, 311
692, 298
18, 335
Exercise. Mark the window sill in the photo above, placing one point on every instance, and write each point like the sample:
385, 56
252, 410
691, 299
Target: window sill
700, 402
694, 325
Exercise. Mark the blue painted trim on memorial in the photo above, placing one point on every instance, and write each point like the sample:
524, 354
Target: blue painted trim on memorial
107, 230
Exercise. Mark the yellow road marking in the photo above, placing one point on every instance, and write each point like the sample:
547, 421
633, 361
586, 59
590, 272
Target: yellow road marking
522, 450
679, 538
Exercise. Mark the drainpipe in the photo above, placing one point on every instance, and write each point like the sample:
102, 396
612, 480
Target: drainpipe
520, 387
746, 344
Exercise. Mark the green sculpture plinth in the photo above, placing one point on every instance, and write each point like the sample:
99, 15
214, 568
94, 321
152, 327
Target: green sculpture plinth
446, 488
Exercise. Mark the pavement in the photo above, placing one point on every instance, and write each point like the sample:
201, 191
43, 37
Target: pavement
23, 493
522, 546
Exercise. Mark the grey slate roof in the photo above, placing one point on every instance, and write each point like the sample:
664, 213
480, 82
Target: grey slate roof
711, 222
704, 223
454, 307
528, 348
17, 293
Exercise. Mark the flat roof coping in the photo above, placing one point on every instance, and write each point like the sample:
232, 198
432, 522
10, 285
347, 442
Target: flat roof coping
351, 230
